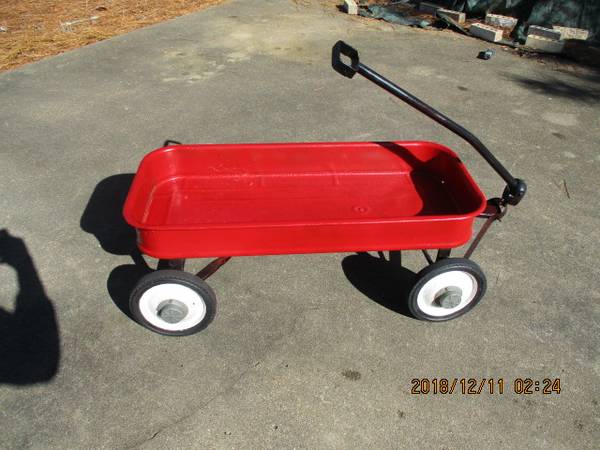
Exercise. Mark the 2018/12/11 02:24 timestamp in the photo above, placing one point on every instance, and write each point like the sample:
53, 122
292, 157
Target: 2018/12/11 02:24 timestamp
475, 386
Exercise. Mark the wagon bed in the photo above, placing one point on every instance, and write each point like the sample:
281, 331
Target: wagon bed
255, 199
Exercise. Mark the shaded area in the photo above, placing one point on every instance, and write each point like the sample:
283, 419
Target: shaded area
437, 183
555, 87
384, 281
29, 339
121, 281
103, 217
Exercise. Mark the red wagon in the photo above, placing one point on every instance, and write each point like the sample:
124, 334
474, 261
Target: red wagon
192, 201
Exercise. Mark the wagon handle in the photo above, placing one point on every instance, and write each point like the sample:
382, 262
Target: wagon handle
515, 188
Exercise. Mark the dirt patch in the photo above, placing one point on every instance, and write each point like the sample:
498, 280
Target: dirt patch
33, 29
353, 375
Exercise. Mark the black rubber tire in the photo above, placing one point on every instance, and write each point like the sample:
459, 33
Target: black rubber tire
437, 268
179, 277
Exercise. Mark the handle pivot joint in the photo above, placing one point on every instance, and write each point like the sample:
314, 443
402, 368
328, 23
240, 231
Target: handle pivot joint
512, 195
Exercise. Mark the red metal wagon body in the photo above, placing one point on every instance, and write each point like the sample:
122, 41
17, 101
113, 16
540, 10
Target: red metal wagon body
191, 201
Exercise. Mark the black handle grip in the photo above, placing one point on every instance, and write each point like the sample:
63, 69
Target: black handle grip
515, 188
341, 48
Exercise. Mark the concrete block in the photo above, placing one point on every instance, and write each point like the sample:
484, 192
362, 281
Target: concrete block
547, 33
486, 32
572, 33
458, 17
429, 8
351, 7
497, 20
543, 44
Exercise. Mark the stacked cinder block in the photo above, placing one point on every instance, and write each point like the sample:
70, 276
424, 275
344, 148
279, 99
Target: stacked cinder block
572, 33
351, 7
544, 39
492, 29
458, 17
435, 10
486, 32
552, 40
547, 33
497, 20
543, 44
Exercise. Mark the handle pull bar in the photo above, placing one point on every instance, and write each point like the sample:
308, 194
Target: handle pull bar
515, 188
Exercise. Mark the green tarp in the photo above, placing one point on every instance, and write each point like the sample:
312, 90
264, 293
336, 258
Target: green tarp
569, 13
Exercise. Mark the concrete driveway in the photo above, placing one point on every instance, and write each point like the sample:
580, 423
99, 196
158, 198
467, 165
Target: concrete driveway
310, 351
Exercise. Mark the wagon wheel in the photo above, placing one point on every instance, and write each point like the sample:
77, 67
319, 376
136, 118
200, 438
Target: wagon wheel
446, 289
173, 303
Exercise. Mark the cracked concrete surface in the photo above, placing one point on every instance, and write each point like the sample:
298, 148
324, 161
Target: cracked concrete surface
307, 351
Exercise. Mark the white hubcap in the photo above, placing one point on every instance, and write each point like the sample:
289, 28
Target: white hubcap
461, 282
152, 306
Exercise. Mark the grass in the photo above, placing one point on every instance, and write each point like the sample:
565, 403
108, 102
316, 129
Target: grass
35, 28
